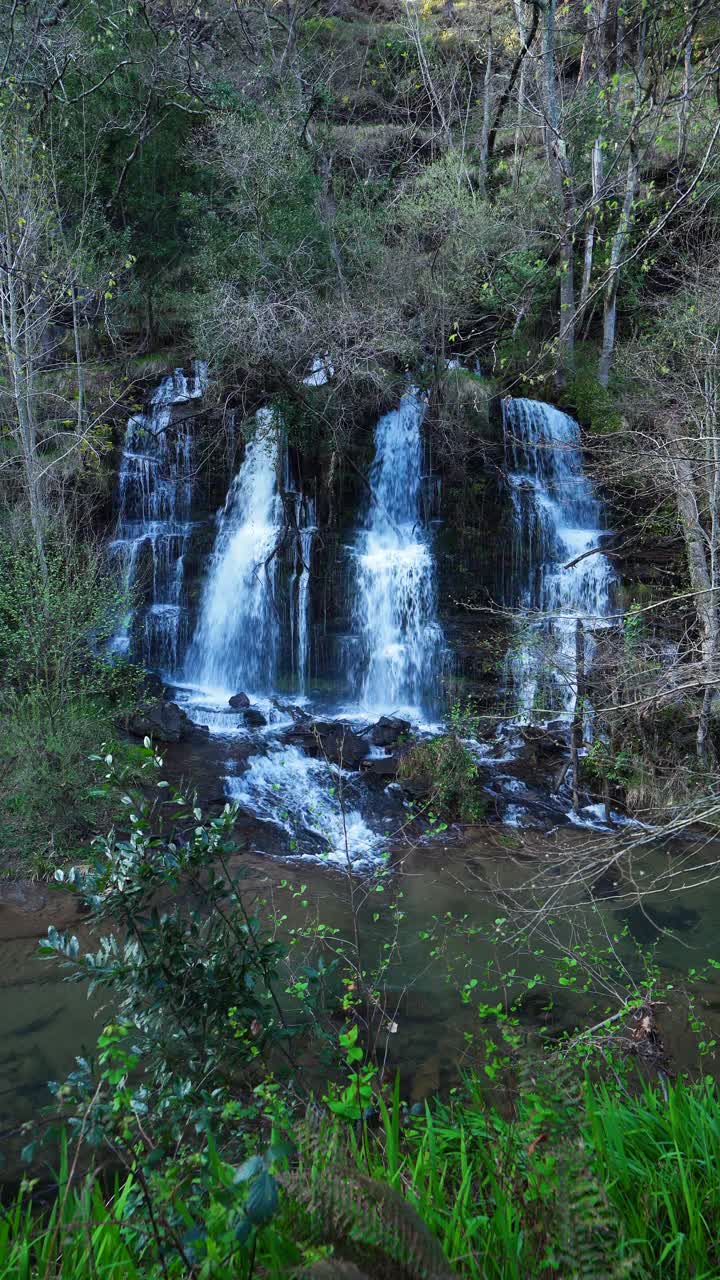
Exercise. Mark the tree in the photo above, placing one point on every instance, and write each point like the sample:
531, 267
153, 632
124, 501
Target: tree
677, 388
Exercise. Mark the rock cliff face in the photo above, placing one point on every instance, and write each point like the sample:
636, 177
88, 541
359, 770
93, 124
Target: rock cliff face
176, 466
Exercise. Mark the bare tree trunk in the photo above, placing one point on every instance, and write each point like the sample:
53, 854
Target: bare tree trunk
595, 39
524, 42
20, 362
623, 227
611, 288
594, 62
485, 137
518, 68
619, 56
597, 184
327, 210
684, 109
702, 574
79, 366
564, 189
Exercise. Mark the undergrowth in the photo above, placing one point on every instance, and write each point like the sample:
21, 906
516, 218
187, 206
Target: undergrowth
446, 770
583, 1181
48, 805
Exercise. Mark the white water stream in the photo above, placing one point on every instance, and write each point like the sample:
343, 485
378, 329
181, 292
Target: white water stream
154, 501
558, 519
395, 653
235, 644
300, 794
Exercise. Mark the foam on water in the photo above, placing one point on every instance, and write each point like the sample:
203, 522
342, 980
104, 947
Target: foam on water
300, 795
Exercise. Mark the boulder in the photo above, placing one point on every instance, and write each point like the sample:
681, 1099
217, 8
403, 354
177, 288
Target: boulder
298, 714
239, 702
254, 718
330, 738
153, 687
382, 768
387, 731
164, 722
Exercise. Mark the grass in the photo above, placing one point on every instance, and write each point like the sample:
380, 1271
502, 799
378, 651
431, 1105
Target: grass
84, 1236
579, 1181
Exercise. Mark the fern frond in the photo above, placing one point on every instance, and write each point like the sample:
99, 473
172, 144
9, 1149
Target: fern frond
330, 1269
369, 1222
588, 1235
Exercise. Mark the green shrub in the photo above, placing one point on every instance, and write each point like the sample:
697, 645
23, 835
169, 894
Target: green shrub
447, 770
578, 1180
592, 404
60, 696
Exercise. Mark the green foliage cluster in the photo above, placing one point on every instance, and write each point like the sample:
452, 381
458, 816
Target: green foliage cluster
592, 404
445, 768
579, 1180
56, 619
60, 695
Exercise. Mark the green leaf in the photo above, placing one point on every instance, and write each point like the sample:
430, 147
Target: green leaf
243, 1229
250, 1169
263, 1200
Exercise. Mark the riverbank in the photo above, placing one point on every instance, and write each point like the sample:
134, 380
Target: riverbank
576, 1178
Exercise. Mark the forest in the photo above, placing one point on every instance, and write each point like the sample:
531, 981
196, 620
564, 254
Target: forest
359, 639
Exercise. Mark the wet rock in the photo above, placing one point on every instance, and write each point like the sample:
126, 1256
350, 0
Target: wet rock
152, 686
387, 731
416, 788
289, 709
383, 768
332, 739
165, 722
239, 702
537, 1005
192, 732
426, 1080
253, 718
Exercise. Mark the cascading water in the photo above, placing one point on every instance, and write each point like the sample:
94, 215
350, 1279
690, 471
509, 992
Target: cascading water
394, 660
300, 794
154, 500
300, 591
557, 520
235, 644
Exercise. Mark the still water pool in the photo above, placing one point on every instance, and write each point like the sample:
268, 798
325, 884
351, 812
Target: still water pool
435, 919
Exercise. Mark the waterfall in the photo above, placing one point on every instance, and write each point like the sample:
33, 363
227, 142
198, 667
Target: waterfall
300, 590
154, 506
557, 518
394, 660
235, 645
